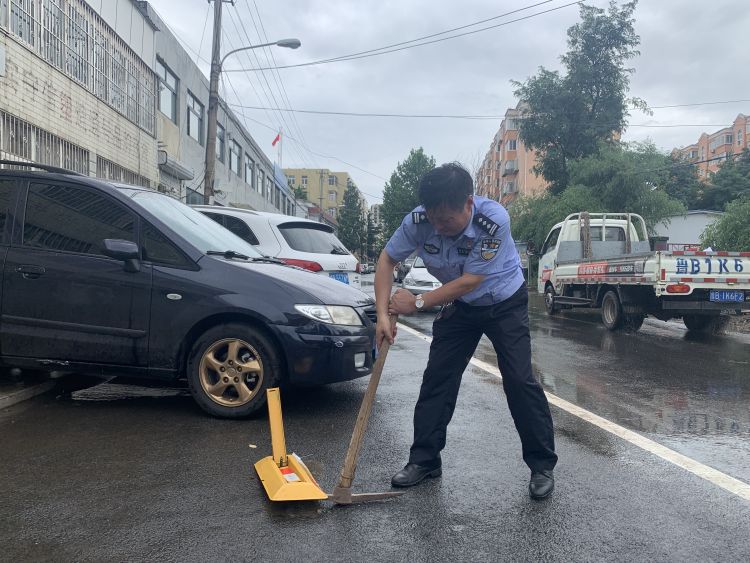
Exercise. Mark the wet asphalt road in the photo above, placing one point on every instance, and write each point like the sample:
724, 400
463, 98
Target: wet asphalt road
114, 474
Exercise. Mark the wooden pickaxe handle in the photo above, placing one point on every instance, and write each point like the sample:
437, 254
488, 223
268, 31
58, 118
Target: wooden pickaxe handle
350, 463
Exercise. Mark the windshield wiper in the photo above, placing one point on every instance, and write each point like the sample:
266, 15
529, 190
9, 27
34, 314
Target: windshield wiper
228, 254
269, 259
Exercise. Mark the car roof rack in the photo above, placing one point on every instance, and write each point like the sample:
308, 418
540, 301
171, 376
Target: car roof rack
45, 167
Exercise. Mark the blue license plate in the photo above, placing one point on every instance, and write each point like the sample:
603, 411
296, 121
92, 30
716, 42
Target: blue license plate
343, 277
722, 296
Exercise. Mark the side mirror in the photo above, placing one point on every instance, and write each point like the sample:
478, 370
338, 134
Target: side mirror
124, 250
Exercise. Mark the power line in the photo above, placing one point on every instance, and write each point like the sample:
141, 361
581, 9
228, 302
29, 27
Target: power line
449, 116
275, 73
701, 104
386, 49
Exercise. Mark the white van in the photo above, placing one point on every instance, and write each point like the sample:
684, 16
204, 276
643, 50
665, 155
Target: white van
298, 242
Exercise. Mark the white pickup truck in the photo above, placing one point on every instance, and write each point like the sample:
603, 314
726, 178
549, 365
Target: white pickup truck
604, 260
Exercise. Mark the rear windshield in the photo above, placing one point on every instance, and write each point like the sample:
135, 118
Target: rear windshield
308, 237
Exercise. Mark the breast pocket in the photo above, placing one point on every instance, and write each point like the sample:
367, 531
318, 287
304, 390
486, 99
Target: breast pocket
444, 271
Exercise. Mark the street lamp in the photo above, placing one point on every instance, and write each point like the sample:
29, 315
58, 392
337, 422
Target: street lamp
213, 96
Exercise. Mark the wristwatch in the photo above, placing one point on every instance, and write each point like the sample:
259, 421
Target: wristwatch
419, 302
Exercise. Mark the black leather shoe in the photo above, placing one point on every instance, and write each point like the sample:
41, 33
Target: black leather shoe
542, 484
413, 474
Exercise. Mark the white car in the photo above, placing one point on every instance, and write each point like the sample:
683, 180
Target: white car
296, 241
419, 280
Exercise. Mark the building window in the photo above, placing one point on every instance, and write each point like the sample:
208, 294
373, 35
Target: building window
721, 140
499, 146
331, 195
291, 179
73, 38
331, 180
510, 125
235, 152
739, 137
693, 154
511, 145
304, 180
332, 212
249, 171
220, 142
167, 91
511, 166
194, 118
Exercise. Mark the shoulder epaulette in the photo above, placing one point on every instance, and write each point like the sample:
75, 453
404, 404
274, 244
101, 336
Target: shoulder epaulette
418, 217
487, 224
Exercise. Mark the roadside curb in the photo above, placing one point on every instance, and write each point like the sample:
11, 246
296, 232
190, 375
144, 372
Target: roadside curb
11, 398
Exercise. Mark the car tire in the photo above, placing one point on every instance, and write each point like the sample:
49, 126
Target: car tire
706, 324
633, 322
612, 315
549, 300
229, 369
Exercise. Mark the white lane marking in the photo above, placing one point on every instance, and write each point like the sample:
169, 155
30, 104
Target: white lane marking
726, 482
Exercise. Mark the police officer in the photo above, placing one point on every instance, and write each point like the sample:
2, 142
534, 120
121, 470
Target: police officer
465, 243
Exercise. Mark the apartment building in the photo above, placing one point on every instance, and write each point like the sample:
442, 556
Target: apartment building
506, 170
77, 89
104, 88
375, 213
712, 149
324, 187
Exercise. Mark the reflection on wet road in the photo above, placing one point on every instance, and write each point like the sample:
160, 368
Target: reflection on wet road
688, 392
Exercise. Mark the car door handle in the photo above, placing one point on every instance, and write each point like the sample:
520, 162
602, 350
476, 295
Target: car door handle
30, 272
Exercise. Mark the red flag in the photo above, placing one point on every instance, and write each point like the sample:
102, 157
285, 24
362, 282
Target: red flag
276, 140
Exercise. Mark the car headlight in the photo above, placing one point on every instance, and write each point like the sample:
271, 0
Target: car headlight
331, 314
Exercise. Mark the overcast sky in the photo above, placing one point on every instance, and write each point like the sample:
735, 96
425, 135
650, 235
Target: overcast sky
691, 51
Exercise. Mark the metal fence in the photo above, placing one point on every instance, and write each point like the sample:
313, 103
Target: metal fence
70, 36
20, 140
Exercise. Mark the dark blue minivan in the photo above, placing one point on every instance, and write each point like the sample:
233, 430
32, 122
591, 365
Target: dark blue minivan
105, 279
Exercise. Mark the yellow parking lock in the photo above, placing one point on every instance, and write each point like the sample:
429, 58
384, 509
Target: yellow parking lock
284, 477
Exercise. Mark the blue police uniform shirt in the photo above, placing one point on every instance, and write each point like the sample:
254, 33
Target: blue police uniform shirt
484, 248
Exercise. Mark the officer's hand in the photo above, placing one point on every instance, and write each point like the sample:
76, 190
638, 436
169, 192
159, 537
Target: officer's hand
402, 303
383, 331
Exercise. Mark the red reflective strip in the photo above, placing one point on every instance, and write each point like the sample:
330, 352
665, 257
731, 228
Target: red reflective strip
745, 254
709, 280
686, 279
663, 274
700, 254
678, 252
732, 280
722, 253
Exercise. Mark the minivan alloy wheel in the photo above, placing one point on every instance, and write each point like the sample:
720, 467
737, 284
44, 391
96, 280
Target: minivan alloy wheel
231, 372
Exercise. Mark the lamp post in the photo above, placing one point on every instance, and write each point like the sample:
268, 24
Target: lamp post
213, 96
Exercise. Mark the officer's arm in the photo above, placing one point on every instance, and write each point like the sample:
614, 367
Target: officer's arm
383, 282
452, 290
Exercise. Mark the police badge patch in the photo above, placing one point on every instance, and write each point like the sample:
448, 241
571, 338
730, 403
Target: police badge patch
489, 248
431, 248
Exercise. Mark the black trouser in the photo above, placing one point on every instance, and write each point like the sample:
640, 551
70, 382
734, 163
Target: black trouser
456, 333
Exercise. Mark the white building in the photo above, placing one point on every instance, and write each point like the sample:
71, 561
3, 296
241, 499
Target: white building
103, 88
684, 231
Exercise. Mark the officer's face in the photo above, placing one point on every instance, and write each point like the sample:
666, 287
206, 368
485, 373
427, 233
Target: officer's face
448, 221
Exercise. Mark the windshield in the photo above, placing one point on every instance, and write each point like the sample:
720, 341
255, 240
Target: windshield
419, 263
200, 231
309, 237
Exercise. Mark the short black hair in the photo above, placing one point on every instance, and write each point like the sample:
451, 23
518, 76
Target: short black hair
449, 185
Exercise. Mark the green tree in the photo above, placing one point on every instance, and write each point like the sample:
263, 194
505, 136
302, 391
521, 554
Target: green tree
732, 231
569, 116
400, 194
350, 220
619, 179
300, 193
730, 182
682, 182
373, 232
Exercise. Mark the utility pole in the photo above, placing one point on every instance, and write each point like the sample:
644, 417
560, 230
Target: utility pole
213, 107
321, 197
